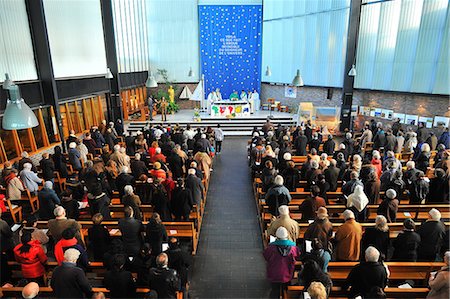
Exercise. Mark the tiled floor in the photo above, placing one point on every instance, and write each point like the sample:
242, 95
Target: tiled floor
229, 263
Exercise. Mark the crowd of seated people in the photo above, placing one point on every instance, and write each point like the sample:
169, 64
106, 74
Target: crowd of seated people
100, 170
367, 171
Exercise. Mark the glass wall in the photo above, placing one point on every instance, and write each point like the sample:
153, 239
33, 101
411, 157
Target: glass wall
173, 38
306, 35
130, 26
403, 46
16, 49
75, 33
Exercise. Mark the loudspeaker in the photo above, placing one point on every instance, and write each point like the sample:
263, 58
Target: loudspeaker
329, 93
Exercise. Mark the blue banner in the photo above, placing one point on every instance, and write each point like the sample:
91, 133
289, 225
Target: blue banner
230, 47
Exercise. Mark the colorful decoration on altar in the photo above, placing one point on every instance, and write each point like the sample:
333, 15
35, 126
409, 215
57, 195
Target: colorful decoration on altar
224, 110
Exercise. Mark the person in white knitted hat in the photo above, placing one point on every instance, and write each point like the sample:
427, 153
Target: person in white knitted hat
280, 257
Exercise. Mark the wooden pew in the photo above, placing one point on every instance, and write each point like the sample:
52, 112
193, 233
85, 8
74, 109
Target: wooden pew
295, 292
184, 230
47, 292
400, 271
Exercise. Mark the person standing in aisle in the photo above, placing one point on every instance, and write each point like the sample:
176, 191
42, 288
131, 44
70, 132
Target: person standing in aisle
218, 137
163, 105
150, 103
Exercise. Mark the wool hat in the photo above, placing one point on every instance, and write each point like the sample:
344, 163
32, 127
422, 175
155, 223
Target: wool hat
322, 212
283, 210
391, 194
282, 233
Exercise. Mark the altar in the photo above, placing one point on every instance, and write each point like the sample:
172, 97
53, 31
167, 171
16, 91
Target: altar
230, 109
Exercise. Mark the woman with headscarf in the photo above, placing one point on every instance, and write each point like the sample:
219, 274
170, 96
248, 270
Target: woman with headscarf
357, 202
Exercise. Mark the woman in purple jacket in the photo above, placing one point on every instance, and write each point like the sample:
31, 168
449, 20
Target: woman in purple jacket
280, 256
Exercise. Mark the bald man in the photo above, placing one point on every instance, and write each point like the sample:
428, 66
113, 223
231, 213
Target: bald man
30, 291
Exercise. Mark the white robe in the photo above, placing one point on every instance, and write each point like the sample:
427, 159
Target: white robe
256, 101
243, 96
219, 96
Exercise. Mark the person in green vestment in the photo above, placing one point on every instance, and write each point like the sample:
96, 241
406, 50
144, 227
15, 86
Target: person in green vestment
234, 96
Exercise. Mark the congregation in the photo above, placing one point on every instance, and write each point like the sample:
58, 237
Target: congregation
137, 190
350, 192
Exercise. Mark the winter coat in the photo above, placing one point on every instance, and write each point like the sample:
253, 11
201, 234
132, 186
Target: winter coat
32, 262
348, 237
277, 196
280, 257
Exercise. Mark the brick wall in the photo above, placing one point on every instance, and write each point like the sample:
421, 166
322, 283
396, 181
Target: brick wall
422, 105
316, 95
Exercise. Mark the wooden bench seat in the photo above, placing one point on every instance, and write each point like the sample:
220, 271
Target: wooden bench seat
47, 292
174, 229
295, 292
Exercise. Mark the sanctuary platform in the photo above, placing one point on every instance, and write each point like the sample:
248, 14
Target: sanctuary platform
241, 126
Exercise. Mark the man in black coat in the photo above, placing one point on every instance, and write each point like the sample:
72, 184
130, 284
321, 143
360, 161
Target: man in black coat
332, 175
379, 140
406, 243
69, 281
202, 144
131, 230
176, 164
300, 144
329, 145
367, 278
195, 185
124, 179
138, 167
182, 202
179, 260
349, 186
163, 280
47, 167
431, 234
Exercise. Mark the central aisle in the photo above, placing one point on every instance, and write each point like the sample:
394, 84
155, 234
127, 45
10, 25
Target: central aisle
229, 261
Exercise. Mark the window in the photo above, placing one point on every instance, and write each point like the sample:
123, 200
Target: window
9, 144
37, 131
27, 140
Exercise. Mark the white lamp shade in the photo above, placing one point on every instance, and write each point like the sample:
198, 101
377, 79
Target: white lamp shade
352, 72
18, 115
7, 83
298, 80
268, 72
108, 74
151, 81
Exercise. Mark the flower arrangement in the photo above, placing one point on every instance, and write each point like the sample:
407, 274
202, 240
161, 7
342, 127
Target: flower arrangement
197, 115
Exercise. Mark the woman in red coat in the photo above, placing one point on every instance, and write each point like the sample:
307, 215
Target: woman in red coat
32, 258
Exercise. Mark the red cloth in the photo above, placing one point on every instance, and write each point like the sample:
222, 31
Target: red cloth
2, 203
59, 252
151, 151
158, 174
32, 262
378, 167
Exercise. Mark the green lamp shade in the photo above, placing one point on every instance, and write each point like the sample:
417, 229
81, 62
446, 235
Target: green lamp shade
18, 114
151, 82
298, 80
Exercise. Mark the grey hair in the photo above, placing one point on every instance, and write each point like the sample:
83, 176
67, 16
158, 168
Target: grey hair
390, 154
128, 189
314, 164
435, 214
348, 215
137, 156
124, 169
71, 255
372, 254
381, 223
59, 211
410, 164
278, 180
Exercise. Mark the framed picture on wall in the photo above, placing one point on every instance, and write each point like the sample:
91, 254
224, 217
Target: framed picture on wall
441, 121
411, 119
428, 121
400, 116
290, 92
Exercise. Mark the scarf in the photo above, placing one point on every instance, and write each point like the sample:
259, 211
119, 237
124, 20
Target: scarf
10, 177
59, 248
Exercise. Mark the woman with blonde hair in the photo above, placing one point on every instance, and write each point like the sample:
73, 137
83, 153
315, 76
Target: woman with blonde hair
316, 290
377, 236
